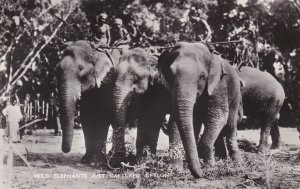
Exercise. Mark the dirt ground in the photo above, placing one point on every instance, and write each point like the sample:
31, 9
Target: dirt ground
50, 168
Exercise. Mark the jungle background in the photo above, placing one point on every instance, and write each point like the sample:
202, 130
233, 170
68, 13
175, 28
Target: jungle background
33, 33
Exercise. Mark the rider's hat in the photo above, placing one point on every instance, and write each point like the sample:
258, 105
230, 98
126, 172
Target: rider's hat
103, 16
118, 21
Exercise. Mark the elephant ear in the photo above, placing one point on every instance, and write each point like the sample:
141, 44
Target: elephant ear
216, 72
103, 65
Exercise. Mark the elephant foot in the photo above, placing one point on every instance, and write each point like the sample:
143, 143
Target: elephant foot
262, 149
221, 154
209, 162
206, 154
220, 148
237, 158
86, 158
115, 159
98, 161
276, 145
197, 173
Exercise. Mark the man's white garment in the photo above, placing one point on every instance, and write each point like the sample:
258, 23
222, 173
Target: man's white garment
14, 116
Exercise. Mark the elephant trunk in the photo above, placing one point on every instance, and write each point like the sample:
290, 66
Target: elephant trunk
183, 110
67, 100
121, 101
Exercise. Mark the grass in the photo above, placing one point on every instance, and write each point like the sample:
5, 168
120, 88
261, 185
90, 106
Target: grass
274, 170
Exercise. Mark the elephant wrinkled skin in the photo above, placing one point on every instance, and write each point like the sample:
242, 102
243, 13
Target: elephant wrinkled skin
204, 89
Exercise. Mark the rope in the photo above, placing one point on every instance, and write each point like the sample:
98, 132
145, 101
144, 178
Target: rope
225, 42
211, 43
105, 47
161, 47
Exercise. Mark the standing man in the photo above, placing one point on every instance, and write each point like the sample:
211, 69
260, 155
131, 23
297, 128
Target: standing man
14, 116
102, 35
120, 36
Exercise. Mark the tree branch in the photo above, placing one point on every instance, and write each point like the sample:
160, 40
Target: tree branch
24, 31
41, 48
24, 62
45, 11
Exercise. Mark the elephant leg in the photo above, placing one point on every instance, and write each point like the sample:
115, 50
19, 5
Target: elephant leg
213, 127
152, 135
264, 134
118, 140
175, 146
263, 142
231, 132
147, 134
206, 144
118, 151
174, 136
88, 135
87, 127
140, 143
275, 134
220, 148
99, 138
232, 145
197, 122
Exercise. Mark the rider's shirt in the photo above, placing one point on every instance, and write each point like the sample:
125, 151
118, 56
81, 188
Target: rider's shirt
120, 35
200, 31
101, 34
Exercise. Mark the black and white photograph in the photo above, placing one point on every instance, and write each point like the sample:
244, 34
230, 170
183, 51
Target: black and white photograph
149, 94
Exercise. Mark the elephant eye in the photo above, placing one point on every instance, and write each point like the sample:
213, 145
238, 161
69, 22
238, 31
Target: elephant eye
134, 76
80, 67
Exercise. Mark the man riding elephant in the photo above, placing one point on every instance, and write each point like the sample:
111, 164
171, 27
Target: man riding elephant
201, 29
120, 36
102, 35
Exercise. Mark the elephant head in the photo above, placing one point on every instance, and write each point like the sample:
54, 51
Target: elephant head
134, 74
81, 69
189, 71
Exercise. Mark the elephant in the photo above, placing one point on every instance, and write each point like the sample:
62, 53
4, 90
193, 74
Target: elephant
262, 99
204, 89
137, 84
86, 74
